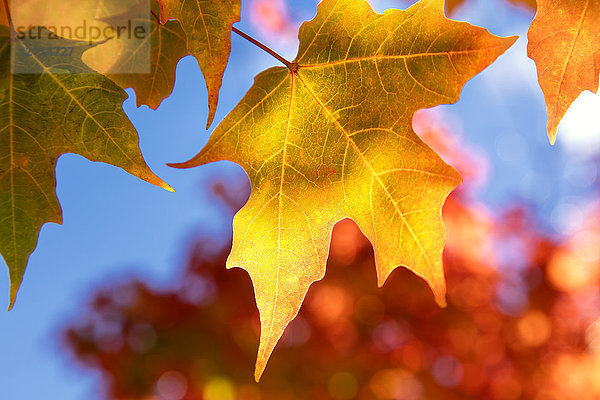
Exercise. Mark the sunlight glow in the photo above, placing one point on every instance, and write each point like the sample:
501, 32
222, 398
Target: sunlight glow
579, 131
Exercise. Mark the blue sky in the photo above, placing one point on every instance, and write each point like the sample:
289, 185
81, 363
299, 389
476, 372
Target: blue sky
116, 226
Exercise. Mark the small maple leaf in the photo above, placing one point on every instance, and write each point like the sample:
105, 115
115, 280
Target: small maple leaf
207, 25
564, 42
331, 138
165, 47
55, 105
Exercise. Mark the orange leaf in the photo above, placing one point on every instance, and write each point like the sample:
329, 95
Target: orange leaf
564, 42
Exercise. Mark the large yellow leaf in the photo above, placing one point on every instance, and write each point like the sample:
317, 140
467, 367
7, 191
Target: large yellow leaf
564, 42
166, 45
59, 106
331, 138
207, 24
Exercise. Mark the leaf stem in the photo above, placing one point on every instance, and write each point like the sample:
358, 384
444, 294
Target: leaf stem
291, 66
155, 17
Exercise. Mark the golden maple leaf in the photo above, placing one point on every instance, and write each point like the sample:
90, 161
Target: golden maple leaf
57, 105
330, 138
564, 42
207, 25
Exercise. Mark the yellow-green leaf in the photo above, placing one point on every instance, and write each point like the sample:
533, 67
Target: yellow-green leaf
207, 24
167, 45
331, 138
59, 106
564, 42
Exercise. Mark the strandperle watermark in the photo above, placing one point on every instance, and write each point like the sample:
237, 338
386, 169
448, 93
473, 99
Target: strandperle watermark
37, 47
84, 32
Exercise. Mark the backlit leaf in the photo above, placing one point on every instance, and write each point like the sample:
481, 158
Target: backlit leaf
207, 24
564, 42
59, 106
331, 138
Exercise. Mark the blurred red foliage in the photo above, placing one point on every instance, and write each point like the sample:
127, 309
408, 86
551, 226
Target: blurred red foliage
522, 320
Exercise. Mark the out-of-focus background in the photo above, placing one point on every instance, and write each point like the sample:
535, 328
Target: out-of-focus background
129, 298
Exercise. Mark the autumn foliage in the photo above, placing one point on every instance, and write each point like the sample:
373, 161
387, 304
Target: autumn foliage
327, 139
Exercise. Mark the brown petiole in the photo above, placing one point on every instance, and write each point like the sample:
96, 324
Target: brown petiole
291, 66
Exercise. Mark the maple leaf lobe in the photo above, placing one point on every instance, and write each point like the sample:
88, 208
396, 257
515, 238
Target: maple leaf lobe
207, 25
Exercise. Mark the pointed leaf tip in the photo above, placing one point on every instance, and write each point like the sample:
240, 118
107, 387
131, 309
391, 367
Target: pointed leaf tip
258, 373
212, 110
180, 165
156, 181
260, 365
168, 188
13, 296
552, 133
441, 300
